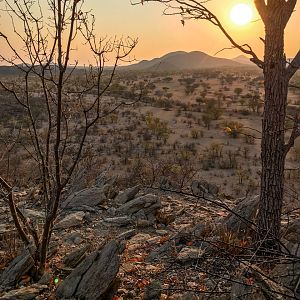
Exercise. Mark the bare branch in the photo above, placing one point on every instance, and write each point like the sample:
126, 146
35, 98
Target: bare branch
294, 135
293, 66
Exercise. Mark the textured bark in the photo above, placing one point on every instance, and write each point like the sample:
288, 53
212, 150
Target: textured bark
273, 132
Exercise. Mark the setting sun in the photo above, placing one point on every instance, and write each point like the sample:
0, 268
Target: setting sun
241, 14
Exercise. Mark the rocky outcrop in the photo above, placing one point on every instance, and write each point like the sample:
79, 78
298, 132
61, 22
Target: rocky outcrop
95, 277
127, 195
88, 197
143, 207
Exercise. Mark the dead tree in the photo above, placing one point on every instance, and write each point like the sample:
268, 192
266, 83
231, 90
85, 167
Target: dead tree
48, 36
275, 15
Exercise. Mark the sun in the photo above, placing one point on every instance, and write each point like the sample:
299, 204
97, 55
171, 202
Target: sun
241, 14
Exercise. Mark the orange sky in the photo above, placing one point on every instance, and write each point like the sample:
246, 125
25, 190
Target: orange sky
160, 34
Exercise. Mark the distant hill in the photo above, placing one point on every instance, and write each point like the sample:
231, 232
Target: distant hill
174, 61
6, 70
242, 59
181, 60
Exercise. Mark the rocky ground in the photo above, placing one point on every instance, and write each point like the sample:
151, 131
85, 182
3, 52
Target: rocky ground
148, 244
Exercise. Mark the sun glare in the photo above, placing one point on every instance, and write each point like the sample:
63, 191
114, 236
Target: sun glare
241, 14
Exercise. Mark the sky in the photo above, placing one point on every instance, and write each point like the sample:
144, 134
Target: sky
159, 34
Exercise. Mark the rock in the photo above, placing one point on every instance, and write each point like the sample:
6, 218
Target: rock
46, 279
103, 180
86, 208
88, 197
76, 257
263, 287
95, 277
127, 195
165, 250
16, 269
198, 232
203, 187
245, 292
245, 210
142, 223
126, 235
71, 220
166, 218
33, 214
25, 293
119, 221
189, 254
73, 238
167, 184
292, 233
189, 296
140, 238
162, 232
139, 203
143, 207
288, 272
153, 291
111, 211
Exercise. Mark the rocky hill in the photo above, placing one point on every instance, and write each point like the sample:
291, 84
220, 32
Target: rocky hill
180, 60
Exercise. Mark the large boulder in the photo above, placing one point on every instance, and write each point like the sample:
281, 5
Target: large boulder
87, 197
95, 277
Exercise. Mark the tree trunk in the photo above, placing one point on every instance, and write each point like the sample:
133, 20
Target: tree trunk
273, 143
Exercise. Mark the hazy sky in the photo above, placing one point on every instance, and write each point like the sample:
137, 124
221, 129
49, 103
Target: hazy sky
160, 34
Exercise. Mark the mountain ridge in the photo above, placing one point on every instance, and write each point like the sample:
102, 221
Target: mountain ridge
181, 60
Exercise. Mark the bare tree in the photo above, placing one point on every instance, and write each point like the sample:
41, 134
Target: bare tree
275, 15
66, 110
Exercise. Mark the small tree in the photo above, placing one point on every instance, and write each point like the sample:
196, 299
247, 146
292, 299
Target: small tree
43, 61
238, 91
275, 15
